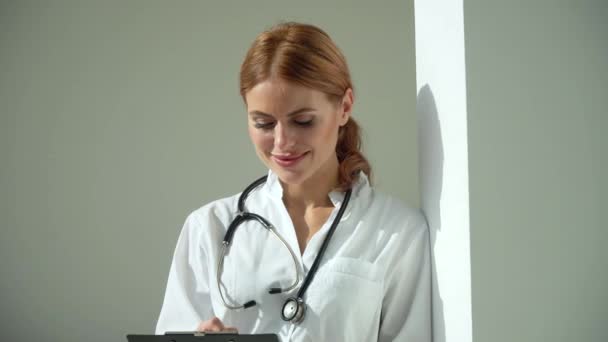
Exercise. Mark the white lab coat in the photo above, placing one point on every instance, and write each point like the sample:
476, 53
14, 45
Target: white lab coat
373, 283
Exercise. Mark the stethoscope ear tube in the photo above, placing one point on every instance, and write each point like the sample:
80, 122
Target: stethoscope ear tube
240, 218
232, 228
294, 308
315, 264
249, 304
250, 188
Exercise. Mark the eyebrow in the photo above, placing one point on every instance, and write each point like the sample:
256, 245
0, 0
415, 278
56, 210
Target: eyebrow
295, 112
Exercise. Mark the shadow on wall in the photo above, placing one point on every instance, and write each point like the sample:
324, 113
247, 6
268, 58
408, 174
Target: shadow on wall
431, 163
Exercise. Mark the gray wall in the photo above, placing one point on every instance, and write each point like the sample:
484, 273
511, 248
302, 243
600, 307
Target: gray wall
119, 118
537, 80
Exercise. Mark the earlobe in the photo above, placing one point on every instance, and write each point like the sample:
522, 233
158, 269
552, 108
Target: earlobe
345, 118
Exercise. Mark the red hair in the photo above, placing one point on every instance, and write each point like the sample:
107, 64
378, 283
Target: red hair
304, 54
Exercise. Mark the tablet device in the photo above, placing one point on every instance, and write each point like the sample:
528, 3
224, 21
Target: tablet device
203, 337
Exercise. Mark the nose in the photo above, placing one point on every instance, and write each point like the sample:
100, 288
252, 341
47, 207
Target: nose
283, 137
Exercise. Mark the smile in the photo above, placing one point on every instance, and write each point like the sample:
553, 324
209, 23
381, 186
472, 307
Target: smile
288, 161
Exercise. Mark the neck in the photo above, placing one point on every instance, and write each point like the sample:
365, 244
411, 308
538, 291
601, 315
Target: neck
314, 191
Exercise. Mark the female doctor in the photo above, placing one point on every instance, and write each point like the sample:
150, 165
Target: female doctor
310, 252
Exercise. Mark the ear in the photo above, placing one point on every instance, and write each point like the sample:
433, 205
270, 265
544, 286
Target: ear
346, 106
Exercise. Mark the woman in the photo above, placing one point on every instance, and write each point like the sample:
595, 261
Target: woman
328, 258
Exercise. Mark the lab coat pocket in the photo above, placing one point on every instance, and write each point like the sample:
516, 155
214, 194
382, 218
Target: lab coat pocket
345, 299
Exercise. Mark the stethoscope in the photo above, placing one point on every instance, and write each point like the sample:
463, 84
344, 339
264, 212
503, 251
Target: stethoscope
294, 308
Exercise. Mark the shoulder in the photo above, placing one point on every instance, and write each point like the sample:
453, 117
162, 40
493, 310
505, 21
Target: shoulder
219, 209
396, 214
387, 212
208, 223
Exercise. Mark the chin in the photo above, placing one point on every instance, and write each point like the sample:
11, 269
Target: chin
292, 177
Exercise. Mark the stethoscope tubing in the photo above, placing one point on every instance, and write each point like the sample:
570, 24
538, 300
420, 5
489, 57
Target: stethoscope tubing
243, 216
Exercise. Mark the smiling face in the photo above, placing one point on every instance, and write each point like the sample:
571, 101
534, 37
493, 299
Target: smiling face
295, 129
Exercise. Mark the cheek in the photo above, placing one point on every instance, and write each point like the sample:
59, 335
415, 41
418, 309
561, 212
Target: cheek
262, 141
328, 137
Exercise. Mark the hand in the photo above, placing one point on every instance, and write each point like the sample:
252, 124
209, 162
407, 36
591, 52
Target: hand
214, 325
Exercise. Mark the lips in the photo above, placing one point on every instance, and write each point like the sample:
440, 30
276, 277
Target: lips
288, 160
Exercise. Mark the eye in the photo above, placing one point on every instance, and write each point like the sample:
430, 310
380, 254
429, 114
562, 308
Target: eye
265, 125
304, 123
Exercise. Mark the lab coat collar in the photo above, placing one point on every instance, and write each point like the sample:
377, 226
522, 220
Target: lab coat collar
361, 188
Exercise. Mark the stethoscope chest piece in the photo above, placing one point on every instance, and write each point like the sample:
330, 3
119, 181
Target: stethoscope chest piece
293, 310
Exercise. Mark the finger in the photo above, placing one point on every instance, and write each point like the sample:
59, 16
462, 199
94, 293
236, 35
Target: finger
212, 325
216, 322
231, 329
208, 328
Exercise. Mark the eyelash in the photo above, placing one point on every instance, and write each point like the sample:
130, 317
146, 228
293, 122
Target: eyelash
267, 126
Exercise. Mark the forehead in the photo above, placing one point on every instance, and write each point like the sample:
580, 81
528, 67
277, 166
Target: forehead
278, 97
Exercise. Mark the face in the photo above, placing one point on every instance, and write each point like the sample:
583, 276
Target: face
295, 129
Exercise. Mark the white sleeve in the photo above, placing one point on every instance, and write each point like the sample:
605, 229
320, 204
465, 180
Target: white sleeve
406, 308
187, 300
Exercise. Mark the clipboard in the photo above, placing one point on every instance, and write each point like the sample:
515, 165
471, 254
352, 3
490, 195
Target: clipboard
189, 336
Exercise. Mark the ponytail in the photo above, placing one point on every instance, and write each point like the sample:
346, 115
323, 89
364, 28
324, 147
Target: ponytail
348, 150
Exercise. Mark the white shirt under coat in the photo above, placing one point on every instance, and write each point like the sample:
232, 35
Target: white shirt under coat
373, 283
